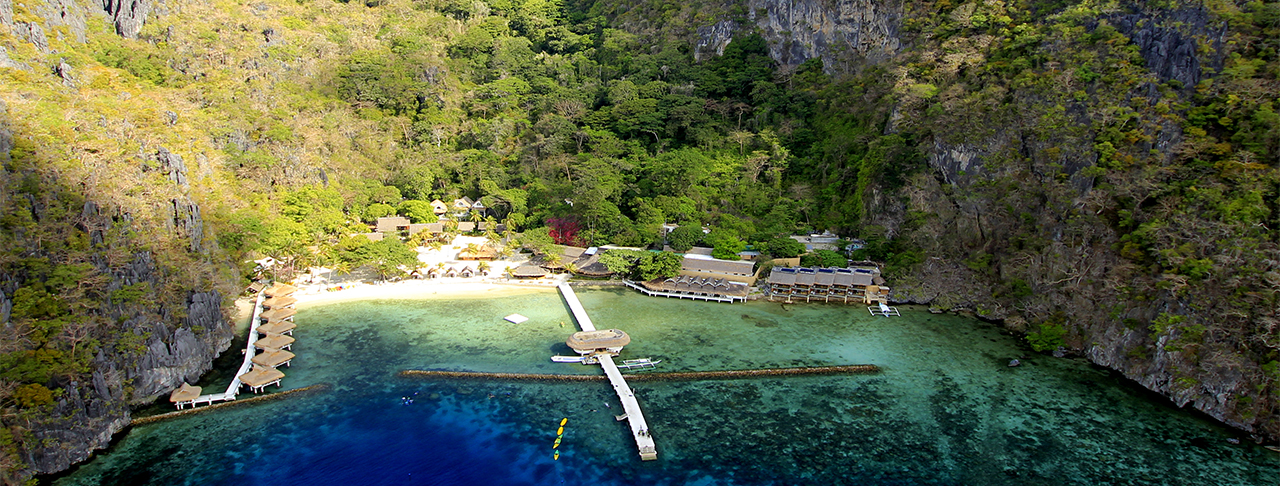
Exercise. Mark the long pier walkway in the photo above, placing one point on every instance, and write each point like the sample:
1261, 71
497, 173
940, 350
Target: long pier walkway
639, 428
234, 388
579, 314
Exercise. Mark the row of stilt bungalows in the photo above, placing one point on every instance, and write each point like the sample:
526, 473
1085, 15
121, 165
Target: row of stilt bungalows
269, 347
859, 285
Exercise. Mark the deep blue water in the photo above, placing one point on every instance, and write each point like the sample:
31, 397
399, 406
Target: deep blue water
945, 410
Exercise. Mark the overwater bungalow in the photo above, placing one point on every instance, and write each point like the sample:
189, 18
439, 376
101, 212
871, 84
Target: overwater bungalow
278, 314
261, 377
603, 341
280, 302
274, 342
274, 358
185, 395
277, 327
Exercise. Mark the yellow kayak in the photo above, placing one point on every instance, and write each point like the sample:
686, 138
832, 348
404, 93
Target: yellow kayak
557, 456
560, 431
557, 444
564, 421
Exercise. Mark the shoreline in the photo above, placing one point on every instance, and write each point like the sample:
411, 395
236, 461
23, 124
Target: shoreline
419, 290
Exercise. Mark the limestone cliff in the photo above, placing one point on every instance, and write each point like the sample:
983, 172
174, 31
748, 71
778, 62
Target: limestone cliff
1008, 209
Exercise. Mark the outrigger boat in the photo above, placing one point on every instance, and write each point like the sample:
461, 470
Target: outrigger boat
639, 363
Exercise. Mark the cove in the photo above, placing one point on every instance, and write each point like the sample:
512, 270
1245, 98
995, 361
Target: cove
944, 410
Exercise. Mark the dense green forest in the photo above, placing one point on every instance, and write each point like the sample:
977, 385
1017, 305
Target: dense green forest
1025, 160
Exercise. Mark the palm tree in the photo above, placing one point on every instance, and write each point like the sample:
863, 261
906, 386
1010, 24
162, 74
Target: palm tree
483, 267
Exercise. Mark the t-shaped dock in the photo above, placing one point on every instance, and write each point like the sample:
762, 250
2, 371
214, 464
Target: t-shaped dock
639, 428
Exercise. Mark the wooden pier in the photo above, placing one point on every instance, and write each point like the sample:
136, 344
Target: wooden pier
283, 310
676, 295
639, 428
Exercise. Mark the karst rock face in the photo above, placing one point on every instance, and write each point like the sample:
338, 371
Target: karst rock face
844, 34
1180, 47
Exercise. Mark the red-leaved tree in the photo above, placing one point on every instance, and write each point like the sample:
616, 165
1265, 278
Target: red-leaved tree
565, 231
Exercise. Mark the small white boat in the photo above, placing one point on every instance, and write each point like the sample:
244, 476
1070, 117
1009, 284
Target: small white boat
568, 359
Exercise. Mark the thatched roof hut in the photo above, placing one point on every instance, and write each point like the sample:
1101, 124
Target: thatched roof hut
273, 359
278, 314
279, 302
528, 271
591, 341
184, 393
391, 224
261, 376
277, 327
273, 342
280, 289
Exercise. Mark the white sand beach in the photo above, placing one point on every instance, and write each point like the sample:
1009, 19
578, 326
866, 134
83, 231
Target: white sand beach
451, 288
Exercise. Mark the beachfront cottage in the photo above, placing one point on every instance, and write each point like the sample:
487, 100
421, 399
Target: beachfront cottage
462, 205
372, 236
466, 226
466, 272
392, 224
417, 228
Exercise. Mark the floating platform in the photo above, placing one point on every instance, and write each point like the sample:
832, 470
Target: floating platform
516, 318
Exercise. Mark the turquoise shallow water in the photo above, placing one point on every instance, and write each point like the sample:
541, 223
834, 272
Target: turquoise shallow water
945, 409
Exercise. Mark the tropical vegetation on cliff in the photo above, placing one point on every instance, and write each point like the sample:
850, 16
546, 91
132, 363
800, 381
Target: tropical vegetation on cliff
1101, 175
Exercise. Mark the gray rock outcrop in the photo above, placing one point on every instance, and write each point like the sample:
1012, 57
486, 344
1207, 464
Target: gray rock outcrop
845, 34
128, 15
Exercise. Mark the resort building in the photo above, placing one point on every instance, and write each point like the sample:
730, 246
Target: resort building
528, 271
824, 241
705, 266
391, 224
439, 207
860, 285
581, 261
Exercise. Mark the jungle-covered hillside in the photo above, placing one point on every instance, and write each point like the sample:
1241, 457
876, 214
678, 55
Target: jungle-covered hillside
1101, 175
